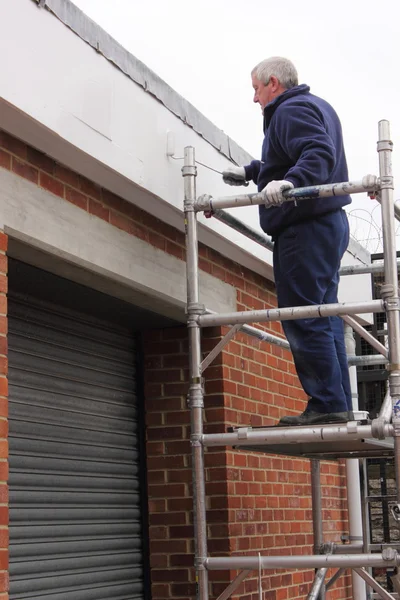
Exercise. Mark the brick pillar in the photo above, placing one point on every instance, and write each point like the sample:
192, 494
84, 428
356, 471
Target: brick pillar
169, 466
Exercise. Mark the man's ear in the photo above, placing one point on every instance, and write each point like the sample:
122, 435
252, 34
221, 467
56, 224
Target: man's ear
274, 83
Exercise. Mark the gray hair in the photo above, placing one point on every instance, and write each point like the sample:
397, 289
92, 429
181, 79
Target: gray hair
282, 68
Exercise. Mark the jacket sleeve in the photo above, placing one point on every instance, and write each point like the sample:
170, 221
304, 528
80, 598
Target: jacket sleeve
302, 136
253, 170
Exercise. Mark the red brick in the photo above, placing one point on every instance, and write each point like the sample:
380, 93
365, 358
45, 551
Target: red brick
40, 160
180, 476
156, 477
67, 176
158, 533
3, 264
5, 160
4, 537
3, 390
182, 418
170, 232
157, 348
186, 591
165, 404
155, 448
12, 144
24, 170
175, 333
90, 189
3, 282
113, 201
3, 365
158, 591
175, 389
3, 241
4, 583
175, 250
76, 198
3, 470
126, 224
182, 560
154, 420
179, 518
166, 433
168, 546
165, 462
164, 491
54, 186
98, 210
170, 575
4, 516
157, 240
3, 449
177, 504
3, 345
157, 505
164, 375
159, 561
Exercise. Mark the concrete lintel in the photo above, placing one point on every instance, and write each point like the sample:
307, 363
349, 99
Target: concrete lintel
93, 251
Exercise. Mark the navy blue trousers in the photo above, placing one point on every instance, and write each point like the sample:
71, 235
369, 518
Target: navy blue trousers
306, 263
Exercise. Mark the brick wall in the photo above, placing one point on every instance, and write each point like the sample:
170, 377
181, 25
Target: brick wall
255, 502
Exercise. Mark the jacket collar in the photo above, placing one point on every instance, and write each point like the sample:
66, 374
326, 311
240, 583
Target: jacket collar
272, 106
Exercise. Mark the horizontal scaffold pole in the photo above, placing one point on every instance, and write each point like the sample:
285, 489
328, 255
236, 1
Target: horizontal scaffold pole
264, 240
318, 561
245, 436
367, 359
369, 183
291, 313
361, 269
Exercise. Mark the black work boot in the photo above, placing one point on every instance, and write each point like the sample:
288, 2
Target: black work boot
309, 417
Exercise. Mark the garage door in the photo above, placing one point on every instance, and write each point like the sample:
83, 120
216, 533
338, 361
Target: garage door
75, 505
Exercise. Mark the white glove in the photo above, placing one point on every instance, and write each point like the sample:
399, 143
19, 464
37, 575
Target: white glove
234, 176
273, 192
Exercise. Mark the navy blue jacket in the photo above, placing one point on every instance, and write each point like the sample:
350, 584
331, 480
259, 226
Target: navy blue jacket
302, 144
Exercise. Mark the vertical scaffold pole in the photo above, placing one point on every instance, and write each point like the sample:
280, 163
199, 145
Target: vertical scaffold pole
196, 400
316, 498
353, 483
390, 290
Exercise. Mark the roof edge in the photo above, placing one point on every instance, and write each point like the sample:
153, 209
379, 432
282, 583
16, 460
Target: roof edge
91, 33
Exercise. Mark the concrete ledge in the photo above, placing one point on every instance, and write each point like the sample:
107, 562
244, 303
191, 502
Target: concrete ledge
88, 250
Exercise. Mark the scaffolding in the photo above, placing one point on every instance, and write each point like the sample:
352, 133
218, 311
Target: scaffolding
352, 440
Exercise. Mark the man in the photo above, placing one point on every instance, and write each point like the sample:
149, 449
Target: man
303, 146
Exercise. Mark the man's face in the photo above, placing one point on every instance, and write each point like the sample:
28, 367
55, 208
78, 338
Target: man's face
263, 94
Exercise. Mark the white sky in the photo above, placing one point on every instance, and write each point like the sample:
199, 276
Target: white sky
347, 51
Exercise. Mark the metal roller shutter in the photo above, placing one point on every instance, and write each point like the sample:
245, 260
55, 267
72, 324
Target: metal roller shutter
75, 514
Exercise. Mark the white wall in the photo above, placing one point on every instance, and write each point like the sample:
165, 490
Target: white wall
63, 97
